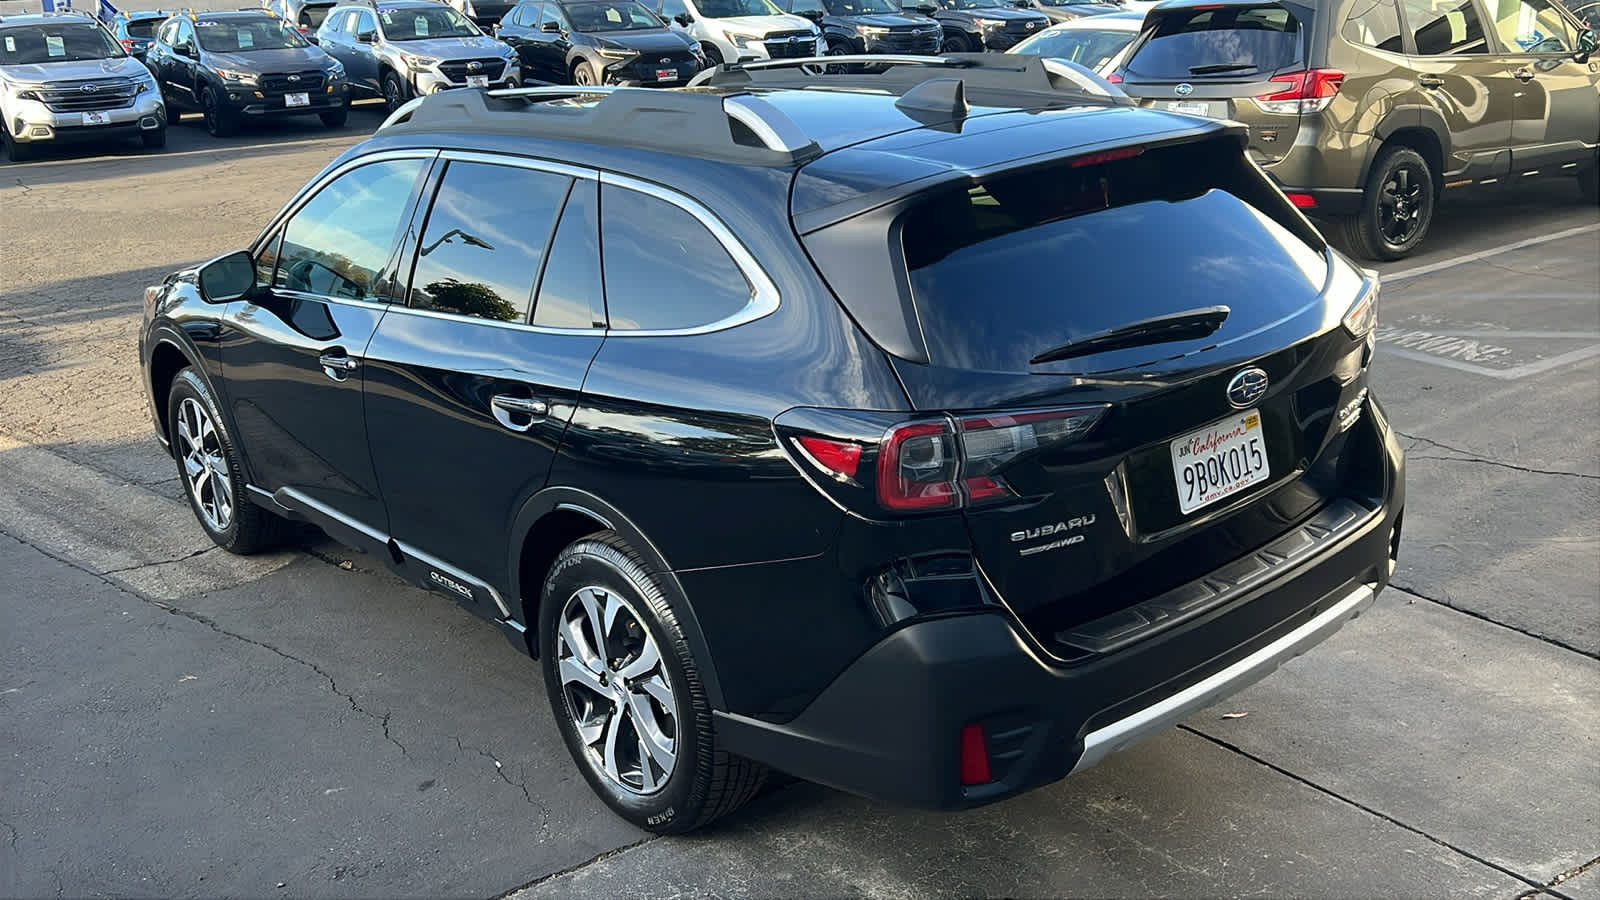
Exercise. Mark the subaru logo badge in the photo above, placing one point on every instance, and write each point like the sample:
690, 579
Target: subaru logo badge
1184, 89
1247, 387
294, 77
88, 88
474, 66
665, 60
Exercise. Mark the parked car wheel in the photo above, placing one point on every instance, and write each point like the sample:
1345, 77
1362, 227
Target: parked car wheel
583, 73
211, 473
395, 93
955, 43
20, 152
219, 122
713, 55
837, 48
627, 693
335, 118
1396, 209
1589, 183
154, 140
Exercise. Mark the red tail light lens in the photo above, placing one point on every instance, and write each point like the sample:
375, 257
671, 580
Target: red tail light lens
1094, 159
1304, 201
839, 457
1114, 78
1309, 91
917, 466
127, 45
974, 756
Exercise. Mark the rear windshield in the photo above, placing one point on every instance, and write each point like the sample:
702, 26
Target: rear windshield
1006, 269
312, 16
1085, 46
1232, 41
143, 28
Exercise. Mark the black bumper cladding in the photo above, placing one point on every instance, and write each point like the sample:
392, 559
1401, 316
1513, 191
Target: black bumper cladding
889, 726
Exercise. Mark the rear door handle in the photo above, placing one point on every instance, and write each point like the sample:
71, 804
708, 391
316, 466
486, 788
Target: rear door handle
337, 364
1524, 74
1430, 81
518, 413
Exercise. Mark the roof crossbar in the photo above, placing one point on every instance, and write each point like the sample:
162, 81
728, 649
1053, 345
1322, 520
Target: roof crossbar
736, 126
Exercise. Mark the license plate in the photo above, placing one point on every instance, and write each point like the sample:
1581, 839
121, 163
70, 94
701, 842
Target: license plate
296, 99
97, 118
477, 81
1190, 109
1219, 460
666, 74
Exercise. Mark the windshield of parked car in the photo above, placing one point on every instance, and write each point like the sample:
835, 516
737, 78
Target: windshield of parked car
1088, 47
26, 45
621, 15
972, 4
1230, 41
143, 28
860, 7
419, 23
247, 35
731, 9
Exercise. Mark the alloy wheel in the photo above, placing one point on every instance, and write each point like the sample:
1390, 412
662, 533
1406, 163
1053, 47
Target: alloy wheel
617, 691
205, 465
391, 93
1400, 205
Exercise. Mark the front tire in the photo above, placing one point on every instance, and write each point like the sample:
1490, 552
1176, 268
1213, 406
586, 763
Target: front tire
627, 695
154, 140
210, 470
956, 43
583, 74
1589, 184
1396, 208
335, 118
219, 121
20, 152
394, 91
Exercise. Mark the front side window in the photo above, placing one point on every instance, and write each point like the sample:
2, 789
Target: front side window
339, 242
1374, 23
485, 240
244, 36
364, 22
1531, 26
1440, 27
552, 13
421, 23
663, 268
169, 32
29, 45
673, 8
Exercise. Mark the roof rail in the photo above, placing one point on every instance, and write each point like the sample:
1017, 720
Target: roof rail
990, 72
734, 126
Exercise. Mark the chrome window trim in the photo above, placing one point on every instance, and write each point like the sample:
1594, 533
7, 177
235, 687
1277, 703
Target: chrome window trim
402, 309
764, 297
342, 301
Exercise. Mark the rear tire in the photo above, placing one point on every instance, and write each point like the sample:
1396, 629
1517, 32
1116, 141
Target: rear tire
627, 695
335, 118
211, 472
154, 140
1396, 207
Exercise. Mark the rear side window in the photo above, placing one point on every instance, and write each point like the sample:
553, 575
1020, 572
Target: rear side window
570, 292
1195, 42
1021, 263
338, 244
1374, 23
485, 240
1441, 27
663, 268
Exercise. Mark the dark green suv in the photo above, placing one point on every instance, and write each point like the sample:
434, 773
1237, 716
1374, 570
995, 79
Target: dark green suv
1366, 111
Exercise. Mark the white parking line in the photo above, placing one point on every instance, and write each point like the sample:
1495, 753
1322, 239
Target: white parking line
1389, 277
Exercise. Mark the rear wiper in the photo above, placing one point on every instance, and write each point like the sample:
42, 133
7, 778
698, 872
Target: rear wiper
1221, 67
1188, 325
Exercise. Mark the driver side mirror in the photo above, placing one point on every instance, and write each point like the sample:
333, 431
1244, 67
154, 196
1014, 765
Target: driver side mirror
550, 27
814, 15
227, 278
683, 19
367, 37
926, 9
184, 49
1587, 42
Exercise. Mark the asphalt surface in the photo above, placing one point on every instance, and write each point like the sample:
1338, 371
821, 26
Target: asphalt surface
175, 721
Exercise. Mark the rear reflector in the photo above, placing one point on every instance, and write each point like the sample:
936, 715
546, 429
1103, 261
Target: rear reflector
1304, 201
974, 756
1095, 159
841, 458
1114, 78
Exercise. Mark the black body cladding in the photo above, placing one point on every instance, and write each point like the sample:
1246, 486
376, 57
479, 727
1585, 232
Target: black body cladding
756, 408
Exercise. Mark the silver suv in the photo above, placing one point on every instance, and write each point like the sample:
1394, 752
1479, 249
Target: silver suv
63, 76
409, 48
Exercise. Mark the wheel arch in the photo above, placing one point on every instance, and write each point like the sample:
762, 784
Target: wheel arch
167, 359
557, 516
1424, 131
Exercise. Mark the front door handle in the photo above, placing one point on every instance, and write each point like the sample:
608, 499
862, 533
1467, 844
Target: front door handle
337, 364
518, 413
1524, 74
1430, 81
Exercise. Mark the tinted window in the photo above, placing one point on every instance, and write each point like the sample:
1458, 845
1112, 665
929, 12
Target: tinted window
663, 269
673, 8
484, 241
143, 28
551, 13
338, 243
169, 32
1197, 41
363, 23
570, 293
236, 36
805, 6
1215, 216
1374, 23
1084, 46
1530, 26
1445, 26
313, 16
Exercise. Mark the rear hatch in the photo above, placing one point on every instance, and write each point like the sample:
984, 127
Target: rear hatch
1101, 466
1243, 60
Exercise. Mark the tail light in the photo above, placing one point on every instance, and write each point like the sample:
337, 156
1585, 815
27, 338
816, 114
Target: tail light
1362, 316
1309, 91
127, 45
1302, 200
1114, 78
926, 465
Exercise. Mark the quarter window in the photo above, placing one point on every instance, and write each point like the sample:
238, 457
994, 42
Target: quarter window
1530, 26
485, 240
1440, 27
1374, 23
338, 244
570, 291
663, 268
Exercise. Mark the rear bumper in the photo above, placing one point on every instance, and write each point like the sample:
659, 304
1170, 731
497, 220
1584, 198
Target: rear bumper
889, 726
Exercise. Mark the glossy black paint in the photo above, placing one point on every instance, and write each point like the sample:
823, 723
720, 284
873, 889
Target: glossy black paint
997, 26
683, 444
876, 32
553, 56
184, 70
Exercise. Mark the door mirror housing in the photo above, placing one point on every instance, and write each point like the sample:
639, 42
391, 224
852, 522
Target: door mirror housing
683, 19
367, 37
184, 49
814, 15
550, 27
1587, 43
227, 278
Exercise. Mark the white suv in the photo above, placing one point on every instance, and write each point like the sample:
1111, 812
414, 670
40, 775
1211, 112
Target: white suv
742, 30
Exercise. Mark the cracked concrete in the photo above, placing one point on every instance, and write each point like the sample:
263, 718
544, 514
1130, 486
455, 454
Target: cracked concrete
1466, 456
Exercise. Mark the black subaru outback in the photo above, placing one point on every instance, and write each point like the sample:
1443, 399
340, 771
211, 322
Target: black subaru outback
734, 428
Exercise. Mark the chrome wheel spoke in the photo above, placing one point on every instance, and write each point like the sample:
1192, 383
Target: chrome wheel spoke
642, 664
609, 753
575, 672
659, 747
656, 686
